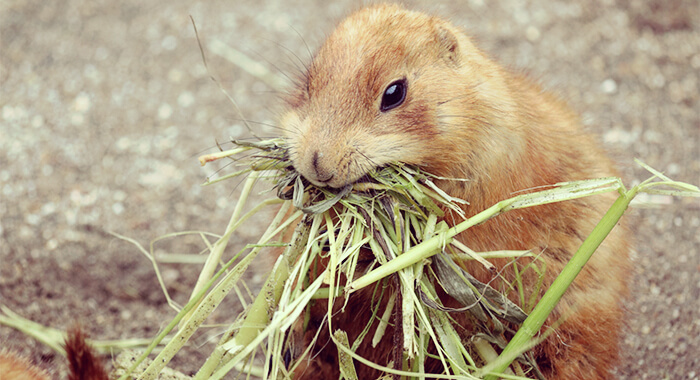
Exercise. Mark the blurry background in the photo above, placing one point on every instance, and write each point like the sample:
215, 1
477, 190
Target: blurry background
105, 105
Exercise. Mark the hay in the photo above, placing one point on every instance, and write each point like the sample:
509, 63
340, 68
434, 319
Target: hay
396, 215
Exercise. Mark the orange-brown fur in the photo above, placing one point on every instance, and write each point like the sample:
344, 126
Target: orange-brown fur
15, 367
83, 364
463, 117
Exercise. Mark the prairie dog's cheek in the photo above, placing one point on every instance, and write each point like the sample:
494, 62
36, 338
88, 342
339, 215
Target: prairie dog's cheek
296, 133
291, 125
388, 148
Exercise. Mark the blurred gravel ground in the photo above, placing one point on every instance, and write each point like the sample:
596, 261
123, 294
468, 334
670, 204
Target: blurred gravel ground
104, 106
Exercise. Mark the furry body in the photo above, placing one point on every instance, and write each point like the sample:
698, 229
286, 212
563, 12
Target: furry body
463, 116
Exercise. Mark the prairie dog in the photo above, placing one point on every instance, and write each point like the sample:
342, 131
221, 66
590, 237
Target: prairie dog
396, 85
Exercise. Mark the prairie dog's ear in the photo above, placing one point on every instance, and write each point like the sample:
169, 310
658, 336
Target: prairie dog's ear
448, 44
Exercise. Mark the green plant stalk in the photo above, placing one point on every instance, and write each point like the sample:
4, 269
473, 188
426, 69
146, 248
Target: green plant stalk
406, 374
449, 341
424, 319
200, 314
194, 305
281, 322
384, 320
213, 361
260, 311
227, 176
304, 259
218, 250
408, 301
185, 310
222, 154
47, 335
217, 355
562, 192
539, 314
333, 262
494, 255
519, 283
485, 350
347, 369
325, 293
259, 314
426, 248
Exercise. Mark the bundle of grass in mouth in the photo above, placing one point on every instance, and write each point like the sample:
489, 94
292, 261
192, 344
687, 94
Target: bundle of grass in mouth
357, 230
349, 232
385, 241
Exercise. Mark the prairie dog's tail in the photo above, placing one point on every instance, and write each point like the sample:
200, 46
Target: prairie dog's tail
82, 362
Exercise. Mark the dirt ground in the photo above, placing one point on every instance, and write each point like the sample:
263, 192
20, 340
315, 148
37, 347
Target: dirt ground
105, 105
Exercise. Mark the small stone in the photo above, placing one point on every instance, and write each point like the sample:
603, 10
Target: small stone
608, 86
118, 208
82, 103
185, 99
169, 43
165, 111
532, 33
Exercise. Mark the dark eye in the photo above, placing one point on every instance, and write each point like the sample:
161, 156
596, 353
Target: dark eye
394, 95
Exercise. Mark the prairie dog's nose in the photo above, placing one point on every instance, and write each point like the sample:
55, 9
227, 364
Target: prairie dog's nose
323, 173
319, 170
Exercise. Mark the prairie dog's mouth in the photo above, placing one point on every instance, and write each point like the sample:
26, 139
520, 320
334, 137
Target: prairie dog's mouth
332, 181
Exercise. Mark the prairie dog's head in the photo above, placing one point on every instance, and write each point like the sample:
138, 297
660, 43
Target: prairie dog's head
387, 85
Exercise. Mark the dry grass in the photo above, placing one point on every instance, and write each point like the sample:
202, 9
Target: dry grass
397, 216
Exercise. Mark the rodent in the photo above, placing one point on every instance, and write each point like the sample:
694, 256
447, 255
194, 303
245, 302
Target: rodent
83, 364
390, 84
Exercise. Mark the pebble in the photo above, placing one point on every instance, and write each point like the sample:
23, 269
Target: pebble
608, 86
165, 111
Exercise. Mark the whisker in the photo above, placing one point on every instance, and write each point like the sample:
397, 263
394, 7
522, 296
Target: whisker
211, 76
290, 53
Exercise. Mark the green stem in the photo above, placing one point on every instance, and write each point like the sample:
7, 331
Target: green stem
258, 316
427, 248
196, 311
218, 250
539, 314
159, 338
198, 316
561, 192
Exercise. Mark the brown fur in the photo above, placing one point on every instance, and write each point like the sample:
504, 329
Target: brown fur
15, 367
464, 117
83, 363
